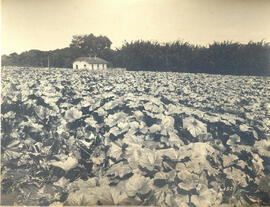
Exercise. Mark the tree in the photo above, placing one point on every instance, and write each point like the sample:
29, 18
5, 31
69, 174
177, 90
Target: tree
90, 45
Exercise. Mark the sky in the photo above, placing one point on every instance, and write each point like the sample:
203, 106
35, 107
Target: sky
50, 24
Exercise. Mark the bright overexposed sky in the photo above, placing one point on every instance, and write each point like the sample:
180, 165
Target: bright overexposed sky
50, 24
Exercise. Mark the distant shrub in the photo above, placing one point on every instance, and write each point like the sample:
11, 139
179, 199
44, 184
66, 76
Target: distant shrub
218, 58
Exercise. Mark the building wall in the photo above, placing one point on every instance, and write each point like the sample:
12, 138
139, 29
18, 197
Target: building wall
86, 65
81, 65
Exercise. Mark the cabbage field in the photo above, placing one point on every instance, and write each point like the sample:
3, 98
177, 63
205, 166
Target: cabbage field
134, 138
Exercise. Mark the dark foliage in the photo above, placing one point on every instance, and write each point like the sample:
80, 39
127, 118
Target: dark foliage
218, 58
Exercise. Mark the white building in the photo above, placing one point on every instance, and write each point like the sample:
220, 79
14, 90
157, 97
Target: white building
91, 63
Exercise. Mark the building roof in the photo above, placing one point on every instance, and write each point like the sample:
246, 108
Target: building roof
92, 60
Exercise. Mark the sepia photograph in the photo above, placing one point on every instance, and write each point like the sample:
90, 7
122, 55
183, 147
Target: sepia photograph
161, 103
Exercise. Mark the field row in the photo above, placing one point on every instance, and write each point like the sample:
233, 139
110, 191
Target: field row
134, 138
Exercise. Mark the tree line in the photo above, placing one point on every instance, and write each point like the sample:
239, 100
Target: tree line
226, 57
